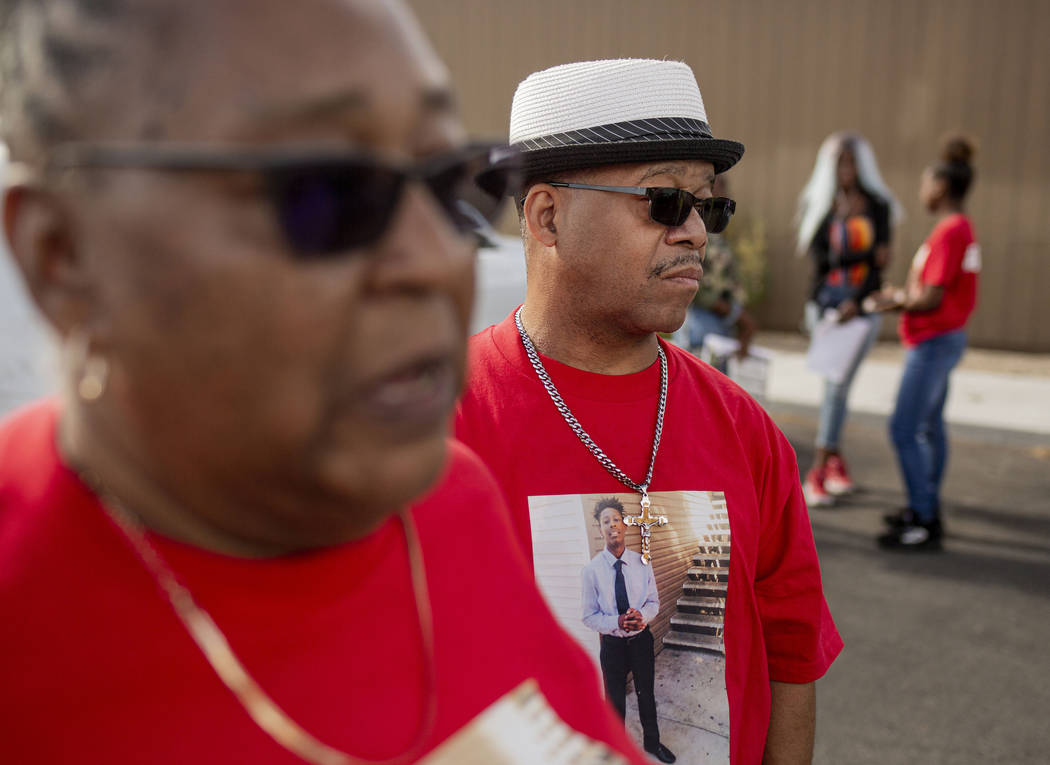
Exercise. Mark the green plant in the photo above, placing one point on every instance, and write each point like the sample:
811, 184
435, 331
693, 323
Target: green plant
747, 238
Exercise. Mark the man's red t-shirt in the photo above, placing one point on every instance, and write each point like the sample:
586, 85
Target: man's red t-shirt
95, 667
950, 258
715, 439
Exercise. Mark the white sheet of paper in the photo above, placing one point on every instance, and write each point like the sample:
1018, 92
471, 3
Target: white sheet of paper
834, 346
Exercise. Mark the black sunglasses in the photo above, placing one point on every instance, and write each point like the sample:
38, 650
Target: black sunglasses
671, 207
326, 202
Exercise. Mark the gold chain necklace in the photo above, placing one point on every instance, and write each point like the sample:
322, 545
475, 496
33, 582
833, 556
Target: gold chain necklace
263, 710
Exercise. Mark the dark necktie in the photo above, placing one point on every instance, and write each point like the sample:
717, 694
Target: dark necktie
620, 587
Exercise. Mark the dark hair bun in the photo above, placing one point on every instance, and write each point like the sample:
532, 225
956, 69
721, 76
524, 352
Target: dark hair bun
959, 149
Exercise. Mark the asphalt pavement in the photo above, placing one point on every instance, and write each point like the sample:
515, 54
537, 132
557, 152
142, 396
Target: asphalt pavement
946, 656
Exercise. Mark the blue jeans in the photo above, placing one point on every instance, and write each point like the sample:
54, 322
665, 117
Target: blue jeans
833, 408
700, 323
917, 424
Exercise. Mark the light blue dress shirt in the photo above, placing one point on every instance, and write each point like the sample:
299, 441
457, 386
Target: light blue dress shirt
599, 595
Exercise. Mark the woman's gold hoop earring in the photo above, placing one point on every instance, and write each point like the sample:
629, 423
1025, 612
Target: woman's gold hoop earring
93, 381
93, 367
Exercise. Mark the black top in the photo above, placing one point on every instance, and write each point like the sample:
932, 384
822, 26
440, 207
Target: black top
843, 251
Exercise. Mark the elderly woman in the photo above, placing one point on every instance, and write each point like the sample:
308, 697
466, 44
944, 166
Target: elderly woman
242, 533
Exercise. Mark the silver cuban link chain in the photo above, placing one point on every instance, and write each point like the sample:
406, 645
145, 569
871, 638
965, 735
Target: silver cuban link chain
574, 424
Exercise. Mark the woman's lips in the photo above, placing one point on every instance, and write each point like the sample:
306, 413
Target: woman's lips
417, 395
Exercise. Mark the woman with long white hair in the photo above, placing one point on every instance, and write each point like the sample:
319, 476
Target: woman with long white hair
845, 216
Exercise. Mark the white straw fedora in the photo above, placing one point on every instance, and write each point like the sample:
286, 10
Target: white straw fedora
593, 113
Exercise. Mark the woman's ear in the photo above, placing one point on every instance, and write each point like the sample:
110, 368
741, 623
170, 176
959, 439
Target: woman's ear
539, 211
940, 188
39, 233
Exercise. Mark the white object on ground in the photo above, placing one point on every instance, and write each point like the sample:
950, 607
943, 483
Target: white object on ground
751, 372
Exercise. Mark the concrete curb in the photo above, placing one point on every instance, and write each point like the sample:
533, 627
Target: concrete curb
1016, 400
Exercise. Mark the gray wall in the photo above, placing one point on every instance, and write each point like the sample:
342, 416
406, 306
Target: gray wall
780, 75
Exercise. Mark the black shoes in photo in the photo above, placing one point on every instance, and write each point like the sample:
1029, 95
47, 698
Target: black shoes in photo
661, 752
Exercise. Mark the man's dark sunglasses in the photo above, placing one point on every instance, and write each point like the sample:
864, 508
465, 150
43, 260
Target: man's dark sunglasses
671, 207
327, 202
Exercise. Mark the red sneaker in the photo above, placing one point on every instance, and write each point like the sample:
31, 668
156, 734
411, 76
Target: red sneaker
813, 489
836, 477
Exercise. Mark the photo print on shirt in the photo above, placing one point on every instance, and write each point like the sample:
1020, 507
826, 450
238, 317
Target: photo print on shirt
690, 568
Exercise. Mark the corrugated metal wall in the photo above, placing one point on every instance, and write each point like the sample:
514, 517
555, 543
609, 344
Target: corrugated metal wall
780, 75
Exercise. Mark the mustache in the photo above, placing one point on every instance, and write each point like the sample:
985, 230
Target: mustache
694, 259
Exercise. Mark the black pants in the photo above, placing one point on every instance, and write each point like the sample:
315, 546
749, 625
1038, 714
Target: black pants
635, 654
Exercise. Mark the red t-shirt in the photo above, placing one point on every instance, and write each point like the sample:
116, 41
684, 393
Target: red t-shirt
94, 666
950, 258
715, 439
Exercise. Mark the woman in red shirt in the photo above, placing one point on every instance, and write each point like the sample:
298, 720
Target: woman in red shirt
243, 533
935, 303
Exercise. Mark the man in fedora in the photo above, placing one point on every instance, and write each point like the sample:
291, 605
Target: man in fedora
576, 393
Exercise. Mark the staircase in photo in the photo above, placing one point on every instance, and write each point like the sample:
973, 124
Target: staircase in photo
698, 623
